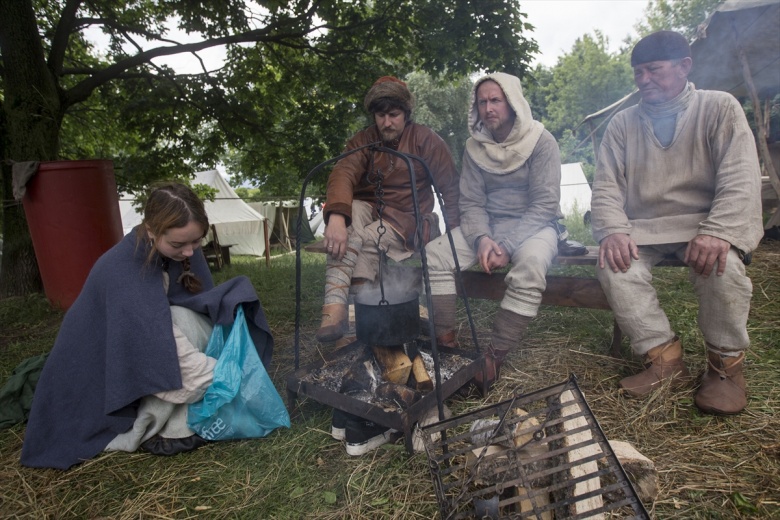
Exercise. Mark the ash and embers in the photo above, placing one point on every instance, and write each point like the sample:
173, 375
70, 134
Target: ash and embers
360, 364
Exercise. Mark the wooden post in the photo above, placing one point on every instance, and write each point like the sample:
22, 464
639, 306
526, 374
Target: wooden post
267, 243
763, 148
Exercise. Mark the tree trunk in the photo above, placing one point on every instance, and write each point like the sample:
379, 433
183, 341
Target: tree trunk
32, 115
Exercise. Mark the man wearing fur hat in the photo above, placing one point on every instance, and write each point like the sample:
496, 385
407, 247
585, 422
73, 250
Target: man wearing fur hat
509, 204
678, 175
351, 210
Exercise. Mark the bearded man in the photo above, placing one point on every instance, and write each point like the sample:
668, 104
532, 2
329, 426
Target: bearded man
509, 204
353, 230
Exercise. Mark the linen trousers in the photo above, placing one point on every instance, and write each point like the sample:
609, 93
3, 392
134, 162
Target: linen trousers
525, 280
367, 231
724, 301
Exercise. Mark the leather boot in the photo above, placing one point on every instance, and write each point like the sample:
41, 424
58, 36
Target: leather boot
508, 330
335, 322
444, 306
722, 389
484, 379
448, 339
662, 363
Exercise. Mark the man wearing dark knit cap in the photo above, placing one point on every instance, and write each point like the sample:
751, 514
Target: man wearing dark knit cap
678, 175
352, 234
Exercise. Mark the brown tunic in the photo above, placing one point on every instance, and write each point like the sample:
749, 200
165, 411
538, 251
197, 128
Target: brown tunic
350, 179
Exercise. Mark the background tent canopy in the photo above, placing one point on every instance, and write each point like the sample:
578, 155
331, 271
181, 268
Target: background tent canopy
751, 27
575, 190
237, 224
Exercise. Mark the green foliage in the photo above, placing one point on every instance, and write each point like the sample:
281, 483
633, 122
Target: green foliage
443, 105
249, 194
683, 16
583, 81
535, 87
287, 97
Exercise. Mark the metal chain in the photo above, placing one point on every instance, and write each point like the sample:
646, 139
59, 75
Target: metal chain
379, 193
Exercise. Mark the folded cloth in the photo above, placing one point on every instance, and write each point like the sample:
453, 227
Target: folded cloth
17, 393
571, 248
21, 173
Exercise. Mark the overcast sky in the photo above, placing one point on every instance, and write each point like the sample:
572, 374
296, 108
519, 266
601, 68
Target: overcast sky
558, 23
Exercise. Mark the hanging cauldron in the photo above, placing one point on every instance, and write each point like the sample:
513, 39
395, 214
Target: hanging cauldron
387, 322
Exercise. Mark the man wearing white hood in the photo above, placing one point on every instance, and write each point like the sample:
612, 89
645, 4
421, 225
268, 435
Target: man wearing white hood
509, 201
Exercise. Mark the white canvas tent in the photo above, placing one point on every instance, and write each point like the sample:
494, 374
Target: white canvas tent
282, 218
237, 224
575, 190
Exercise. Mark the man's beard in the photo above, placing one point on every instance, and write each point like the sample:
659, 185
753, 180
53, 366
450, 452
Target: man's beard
388, 136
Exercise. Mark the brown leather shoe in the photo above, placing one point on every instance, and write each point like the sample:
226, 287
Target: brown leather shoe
722, 389
334, 322
662, 363
484, 380
448, 339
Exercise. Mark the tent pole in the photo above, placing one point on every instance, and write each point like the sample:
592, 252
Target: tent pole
267, 243
593, 140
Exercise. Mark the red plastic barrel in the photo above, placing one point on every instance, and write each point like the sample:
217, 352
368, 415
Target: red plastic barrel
72, 210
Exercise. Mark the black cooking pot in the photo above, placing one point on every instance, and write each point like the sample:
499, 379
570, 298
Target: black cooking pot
387, 325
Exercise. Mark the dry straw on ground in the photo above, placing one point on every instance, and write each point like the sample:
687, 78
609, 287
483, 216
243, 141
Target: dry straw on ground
709, 467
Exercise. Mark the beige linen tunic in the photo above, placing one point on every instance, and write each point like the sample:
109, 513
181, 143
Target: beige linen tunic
707, 181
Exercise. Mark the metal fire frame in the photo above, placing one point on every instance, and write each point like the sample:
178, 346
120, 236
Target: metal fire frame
471, 481
442, 390
402, 420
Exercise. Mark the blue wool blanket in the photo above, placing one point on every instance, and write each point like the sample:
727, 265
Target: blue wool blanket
116, 345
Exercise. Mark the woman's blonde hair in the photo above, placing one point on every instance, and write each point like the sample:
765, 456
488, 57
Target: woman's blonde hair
173, 205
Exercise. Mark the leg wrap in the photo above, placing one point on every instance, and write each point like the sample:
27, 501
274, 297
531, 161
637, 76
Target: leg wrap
444, 307
338, 276
508, 330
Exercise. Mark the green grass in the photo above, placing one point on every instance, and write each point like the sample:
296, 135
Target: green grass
709, 467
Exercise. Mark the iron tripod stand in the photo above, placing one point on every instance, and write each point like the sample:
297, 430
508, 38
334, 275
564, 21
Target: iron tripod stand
299, 381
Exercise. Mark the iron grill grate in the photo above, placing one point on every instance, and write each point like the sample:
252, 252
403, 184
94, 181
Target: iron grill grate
537, 455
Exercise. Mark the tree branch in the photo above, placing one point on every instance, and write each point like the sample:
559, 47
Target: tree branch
124, 29
82, 90
61, 35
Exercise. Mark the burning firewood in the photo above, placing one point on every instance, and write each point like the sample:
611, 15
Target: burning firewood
422, 380
401, 395
394, 364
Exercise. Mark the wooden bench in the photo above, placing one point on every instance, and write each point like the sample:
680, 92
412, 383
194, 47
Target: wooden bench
562, 290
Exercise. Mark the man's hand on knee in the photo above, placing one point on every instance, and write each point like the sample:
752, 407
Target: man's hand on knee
336, 236
702, 253
618, 250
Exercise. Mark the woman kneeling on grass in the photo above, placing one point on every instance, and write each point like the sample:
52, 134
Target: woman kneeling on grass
128, 357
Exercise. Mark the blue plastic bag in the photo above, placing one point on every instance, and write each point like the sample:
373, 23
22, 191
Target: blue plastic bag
241, 402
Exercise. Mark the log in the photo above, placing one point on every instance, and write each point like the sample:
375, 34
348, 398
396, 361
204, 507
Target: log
641, 470
571, 456
396, 395
430, 417
523, 437
422, 379
394, 364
